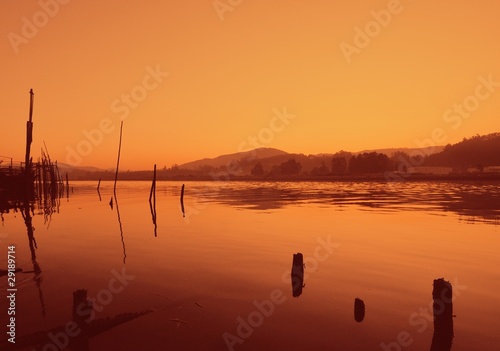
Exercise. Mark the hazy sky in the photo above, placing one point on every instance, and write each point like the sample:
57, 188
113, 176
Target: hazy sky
195, 79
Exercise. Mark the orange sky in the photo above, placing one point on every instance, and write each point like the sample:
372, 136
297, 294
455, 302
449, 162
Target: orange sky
225, 77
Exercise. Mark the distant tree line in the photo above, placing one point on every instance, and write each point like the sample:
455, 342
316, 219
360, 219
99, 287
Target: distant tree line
477, 151
345, 163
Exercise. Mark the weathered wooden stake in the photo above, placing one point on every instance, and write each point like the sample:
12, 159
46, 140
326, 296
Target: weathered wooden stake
297, 275
442, 294
29, 135
118, 160
67, 185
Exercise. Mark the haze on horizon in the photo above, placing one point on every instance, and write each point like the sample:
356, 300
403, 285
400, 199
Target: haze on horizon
196, 81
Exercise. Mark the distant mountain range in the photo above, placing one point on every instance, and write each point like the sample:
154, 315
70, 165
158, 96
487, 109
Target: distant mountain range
477, 151
271, 155
223, 160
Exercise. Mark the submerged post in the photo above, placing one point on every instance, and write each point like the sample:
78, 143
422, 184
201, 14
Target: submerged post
359, 310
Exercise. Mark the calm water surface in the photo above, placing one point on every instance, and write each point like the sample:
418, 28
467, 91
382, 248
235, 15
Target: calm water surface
219, 277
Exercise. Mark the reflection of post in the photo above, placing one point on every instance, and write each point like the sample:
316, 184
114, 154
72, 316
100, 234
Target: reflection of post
443, 315
98, 192
359, 310
121, 229
152, 194
297, 274
182, 201
81, 307
25, 211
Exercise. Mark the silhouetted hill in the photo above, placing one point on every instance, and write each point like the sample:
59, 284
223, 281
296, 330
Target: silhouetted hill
270, 159
64, 167
475, 152
238, 157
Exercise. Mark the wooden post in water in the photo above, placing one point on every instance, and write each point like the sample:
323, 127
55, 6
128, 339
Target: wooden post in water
297, 275
153, 185
29, 185
29, 135
118, 160
67, 186
442, 295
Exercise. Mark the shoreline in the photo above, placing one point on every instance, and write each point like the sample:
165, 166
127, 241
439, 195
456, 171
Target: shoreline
386, 178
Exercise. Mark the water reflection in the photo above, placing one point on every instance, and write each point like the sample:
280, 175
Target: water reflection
121, 228
37, 271
475, 201
27, 210
182, 201
76, 333
98, 192
273, 235
152, 202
